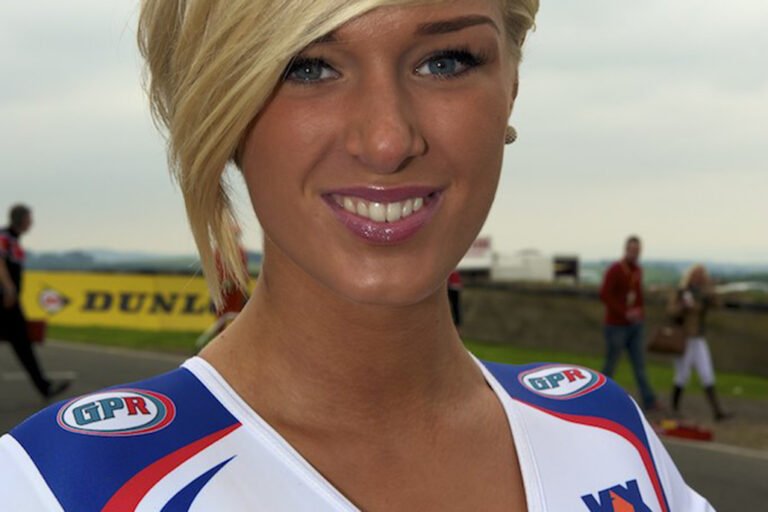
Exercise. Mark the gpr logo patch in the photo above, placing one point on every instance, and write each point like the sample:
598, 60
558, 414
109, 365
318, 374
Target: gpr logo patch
561, 382
619, 498
117, 412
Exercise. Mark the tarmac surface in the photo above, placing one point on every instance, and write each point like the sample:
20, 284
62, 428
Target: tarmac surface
734, 479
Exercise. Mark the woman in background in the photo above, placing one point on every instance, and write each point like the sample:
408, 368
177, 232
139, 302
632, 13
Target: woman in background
689, 306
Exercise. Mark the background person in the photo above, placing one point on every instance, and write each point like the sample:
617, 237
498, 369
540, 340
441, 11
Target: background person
455, 287
233, 298
689, 306
13, 323
622, 294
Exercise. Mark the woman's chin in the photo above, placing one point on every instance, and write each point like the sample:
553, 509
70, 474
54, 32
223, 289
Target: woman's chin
388, 291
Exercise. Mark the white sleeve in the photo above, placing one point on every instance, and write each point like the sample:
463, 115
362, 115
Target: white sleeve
21, 485
681, 497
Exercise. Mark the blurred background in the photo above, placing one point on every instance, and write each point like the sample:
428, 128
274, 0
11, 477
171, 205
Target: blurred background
646, 119
633, 118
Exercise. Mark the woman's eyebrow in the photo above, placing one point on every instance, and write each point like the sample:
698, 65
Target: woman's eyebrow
454, 25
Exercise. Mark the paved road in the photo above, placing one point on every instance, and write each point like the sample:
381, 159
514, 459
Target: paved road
734, 480
94, 368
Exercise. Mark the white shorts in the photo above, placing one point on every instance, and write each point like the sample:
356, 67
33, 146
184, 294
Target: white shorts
697, 356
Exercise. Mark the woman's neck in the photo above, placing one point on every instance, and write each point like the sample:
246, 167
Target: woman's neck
303, 354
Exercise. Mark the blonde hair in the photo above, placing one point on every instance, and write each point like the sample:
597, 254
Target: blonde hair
685, 280
212, 65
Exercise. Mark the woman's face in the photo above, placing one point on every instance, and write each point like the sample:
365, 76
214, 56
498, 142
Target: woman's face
374, 165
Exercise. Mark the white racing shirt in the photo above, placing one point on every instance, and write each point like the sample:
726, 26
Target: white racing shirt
185, 441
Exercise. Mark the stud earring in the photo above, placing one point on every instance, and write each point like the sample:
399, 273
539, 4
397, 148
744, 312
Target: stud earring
510, 135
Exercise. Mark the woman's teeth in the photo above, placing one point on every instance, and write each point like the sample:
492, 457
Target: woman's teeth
380, 212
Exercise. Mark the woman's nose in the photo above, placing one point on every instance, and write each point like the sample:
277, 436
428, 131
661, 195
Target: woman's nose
383, 133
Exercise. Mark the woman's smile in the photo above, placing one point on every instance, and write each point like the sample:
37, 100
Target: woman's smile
384, 215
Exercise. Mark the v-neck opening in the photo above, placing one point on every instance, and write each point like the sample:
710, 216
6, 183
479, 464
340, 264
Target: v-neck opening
258, 426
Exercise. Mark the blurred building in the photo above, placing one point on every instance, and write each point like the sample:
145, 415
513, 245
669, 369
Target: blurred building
525, 265
477, 263
482, 263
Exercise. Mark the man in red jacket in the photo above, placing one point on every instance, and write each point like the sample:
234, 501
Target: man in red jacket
622, 294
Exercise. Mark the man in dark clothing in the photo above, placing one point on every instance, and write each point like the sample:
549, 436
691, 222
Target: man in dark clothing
13, 324
454, 297
622, 294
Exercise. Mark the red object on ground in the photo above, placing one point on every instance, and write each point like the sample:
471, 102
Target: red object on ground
674, 428
36, 330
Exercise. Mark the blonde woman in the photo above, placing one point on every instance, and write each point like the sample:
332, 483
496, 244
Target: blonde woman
370, 136
690, 305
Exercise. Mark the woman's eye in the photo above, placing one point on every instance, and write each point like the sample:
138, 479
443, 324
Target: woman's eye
305, 70
449, 64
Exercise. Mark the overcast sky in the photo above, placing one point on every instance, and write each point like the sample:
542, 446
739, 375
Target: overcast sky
633, 117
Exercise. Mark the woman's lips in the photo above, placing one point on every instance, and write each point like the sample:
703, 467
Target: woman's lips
384, 216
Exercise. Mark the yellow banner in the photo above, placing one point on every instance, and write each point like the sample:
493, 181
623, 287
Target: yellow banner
136, 301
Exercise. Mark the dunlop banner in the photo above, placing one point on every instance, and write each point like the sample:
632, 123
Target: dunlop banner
136, 301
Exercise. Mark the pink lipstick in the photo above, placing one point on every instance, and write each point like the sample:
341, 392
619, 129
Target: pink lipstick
384, 216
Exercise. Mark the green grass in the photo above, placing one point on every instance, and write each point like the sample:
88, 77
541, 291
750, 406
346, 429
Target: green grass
183, 342
728, 384
178, 342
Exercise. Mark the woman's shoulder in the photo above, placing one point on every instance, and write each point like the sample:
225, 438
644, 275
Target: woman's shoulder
549, 383
571, 412
575, 394
114, 435
125, 411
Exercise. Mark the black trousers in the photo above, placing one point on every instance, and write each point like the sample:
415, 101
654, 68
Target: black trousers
13, 327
